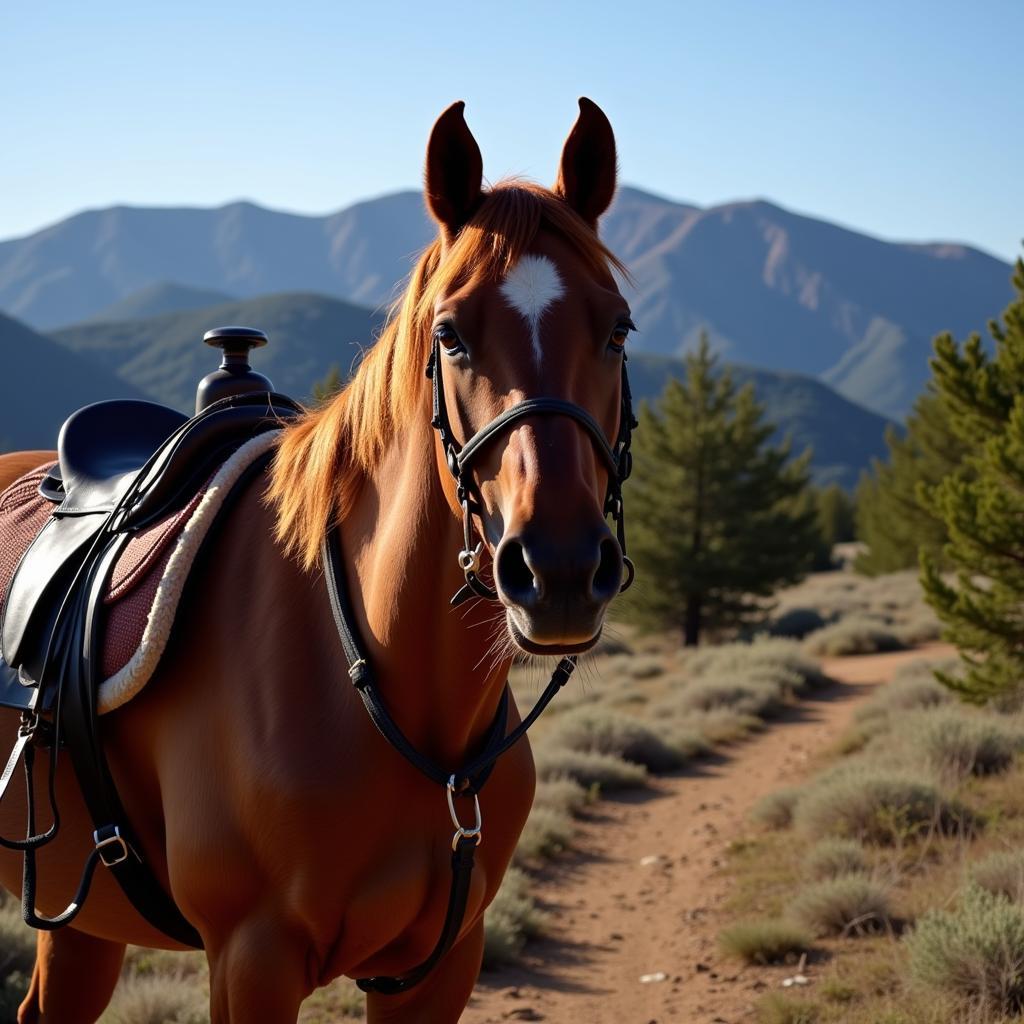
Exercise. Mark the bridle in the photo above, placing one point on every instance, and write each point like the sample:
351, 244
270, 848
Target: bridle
618, 460
467, 781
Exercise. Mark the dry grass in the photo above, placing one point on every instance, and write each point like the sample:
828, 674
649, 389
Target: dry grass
1001, 873
872, 805
846, 905
157, 999
855, 635
974, 952
833, 857
548, 831
510, 920
604, 771
770, 941
775, 810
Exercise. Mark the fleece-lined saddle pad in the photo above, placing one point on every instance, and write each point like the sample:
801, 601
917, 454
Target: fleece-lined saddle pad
142, 594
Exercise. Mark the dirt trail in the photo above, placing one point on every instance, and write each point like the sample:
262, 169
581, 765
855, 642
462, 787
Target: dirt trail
614, 919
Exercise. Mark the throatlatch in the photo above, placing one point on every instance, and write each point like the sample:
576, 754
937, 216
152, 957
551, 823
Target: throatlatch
618, 460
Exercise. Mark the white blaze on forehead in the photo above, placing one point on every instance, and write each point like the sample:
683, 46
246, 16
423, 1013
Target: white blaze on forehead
532, 286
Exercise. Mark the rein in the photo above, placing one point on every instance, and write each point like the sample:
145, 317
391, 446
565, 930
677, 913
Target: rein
468, 780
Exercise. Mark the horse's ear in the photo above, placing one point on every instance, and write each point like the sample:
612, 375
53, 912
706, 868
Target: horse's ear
454, 172
586, 176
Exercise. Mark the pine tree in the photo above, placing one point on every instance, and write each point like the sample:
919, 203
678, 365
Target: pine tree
895, 518
982, 506
719, 517
328, 385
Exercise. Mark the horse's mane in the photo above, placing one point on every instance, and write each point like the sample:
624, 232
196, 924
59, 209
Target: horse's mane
323, 458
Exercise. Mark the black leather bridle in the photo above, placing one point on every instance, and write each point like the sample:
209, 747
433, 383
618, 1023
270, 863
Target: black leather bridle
467, 781
618, 460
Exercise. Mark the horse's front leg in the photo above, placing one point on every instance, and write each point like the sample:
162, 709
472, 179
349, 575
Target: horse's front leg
441, 998
259, 971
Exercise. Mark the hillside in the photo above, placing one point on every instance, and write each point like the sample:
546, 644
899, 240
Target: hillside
42, 383
164, 355
162, 297
774, 288
309, 333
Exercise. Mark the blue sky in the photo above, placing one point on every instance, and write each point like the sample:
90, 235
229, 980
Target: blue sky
901, 118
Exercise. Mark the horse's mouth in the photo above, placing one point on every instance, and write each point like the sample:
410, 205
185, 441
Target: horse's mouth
532, 647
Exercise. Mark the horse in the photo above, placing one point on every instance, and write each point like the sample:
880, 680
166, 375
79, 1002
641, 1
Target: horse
285, 827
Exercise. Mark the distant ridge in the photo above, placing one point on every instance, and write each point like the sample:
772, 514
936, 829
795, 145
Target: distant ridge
162, 297
165, 357
309, 333
773, 288
42, 384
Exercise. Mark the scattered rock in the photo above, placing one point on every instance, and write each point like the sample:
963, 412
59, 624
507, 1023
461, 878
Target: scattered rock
647, 979
797, 979
701, 967
524, 1013
616, 937
646, 862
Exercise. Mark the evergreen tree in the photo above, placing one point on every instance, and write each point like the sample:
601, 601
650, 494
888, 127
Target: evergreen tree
895, 518
834, 510
718, 516
982, 506
328, 385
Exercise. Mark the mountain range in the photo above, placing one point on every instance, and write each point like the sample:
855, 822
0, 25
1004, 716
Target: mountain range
161, 358
774, 289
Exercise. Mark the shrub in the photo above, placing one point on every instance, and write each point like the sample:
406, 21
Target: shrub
776, 1008
855, 635
588, 769
645, 666
776, 809
548, 831
974, 952
833, 857
721, 725
843, 905
923, 626
510, 920
765, 942
1001, 874
157, 999
956, 743
758, 698
908, 691
765, 657
562, 794
872, 805
599, 731
796, 623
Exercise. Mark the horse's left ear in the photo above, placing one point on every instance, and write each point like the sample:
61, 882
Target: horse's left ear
454, 172
586, 177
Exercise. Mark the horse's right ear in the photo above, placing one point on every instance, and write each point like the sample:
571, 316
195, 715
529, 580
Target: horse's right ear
454, 172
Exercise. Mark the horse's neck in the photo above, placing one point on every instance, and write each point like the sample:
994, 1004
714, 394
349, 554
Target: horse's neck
432, 662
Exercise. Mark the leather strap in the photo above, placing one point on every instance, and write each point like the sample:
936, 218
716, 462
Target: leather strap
465, 781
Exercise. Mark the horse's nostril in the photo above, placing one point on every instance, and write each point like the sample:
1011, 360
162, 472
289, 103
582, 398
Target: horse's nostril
608, 575
514, 575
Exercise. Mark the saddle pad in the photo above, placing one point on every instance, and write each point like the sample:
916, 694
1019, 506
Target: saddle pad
142, 594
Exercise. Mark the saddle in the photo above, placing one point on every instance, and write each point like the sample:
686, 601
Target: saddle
85, 550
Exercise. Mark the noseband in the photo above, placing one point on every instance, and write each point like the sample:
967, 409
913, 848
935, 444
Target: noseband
617, 458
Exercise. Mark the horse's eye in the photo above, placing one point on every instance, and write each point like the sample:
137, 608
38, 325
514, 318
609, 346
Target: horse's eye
620, 333
449, 339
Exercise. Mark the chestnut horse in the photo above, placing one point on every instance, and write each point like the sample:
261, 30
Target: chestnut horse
296, 840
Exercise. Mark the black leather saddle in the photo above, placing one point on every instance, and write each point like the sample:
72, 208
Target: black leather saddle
121, 467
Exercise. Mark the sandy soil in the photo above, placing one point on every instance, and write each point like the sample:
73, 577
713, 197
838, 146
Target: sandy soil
643, 897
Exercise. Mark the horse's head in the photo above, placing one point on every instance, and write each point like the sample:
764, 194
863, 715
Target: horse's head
528, 330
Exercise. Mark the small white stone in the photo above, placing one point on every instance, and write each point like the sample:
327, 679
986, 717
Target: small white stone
646, 979
646, 862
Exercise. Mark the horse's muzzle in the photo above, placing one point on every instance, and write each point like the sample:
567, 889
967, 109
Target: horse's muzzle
556, 594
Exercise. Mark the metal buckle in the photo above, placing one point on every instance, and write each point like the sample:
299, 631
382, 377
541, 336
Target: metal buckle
469, 558
105, 844
461, 832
